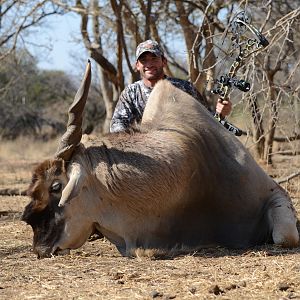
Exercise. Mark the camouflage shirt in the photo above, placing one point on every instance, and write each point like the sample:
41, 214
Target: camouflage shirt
133, 99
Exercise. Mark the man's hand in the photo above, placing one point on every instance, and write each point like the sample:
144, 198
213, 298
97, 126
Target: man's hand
224, 107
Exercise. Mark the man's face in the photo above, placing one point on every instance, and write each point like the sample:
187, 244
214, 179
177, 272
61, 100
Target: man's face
151, 66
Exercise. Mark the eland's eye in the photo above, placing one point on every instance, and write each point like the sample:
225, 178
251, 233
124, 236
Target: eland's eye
55, 187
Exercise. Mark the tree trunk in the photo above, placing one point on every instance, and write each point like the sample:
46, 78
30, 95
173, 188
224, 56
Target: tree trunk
272, 124
205, 79
107, 94
189, 35
111, 81
258, 130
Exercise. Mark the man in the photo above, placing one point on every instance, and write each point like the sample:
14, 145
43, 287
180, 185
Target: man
150, 62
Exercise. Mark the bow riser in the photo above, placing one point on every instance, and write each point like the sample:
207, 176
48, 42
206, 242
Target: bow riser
239, 25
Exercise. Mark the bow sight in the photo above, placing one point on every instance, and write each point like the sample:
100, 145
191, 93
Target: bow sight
238, 27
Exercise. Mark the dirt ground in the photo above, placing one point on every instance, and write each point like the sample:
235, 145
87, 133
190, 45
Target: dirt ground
98, 271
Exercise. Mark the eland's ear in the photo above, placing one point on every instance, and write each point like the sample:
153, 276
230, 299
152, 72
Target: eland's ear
74, 185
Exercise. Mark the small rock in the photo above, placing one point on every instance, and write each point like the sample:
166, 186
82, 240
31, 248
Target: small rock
215, 289
292, 296
155, 294
231, 287
283, 286
192, 290
234, 286
117, 275
242, 284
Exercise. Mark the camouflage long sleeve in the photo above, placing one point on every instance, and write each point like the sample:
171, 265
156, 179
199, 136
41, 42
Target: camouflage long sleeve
129, 108
122, 116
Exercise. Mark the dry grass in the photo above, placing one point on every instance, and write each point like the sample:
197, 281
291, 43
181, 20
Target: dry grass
97, 271
18, 158
26, 149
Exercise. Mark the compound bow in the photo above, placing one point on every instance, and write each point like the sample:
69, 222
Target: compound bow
238, 26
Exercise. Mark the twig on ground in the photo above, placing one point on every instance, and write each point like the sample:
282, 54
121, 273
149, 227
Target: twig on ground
282, 180
12, 192
286, 152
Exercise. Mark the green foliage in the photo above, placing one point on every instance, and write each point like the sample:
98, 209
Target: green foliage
25, 94
22, 82
35, 102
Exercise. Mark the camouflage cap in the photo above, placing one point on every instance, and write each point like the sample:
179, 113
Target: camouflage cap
149, 46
